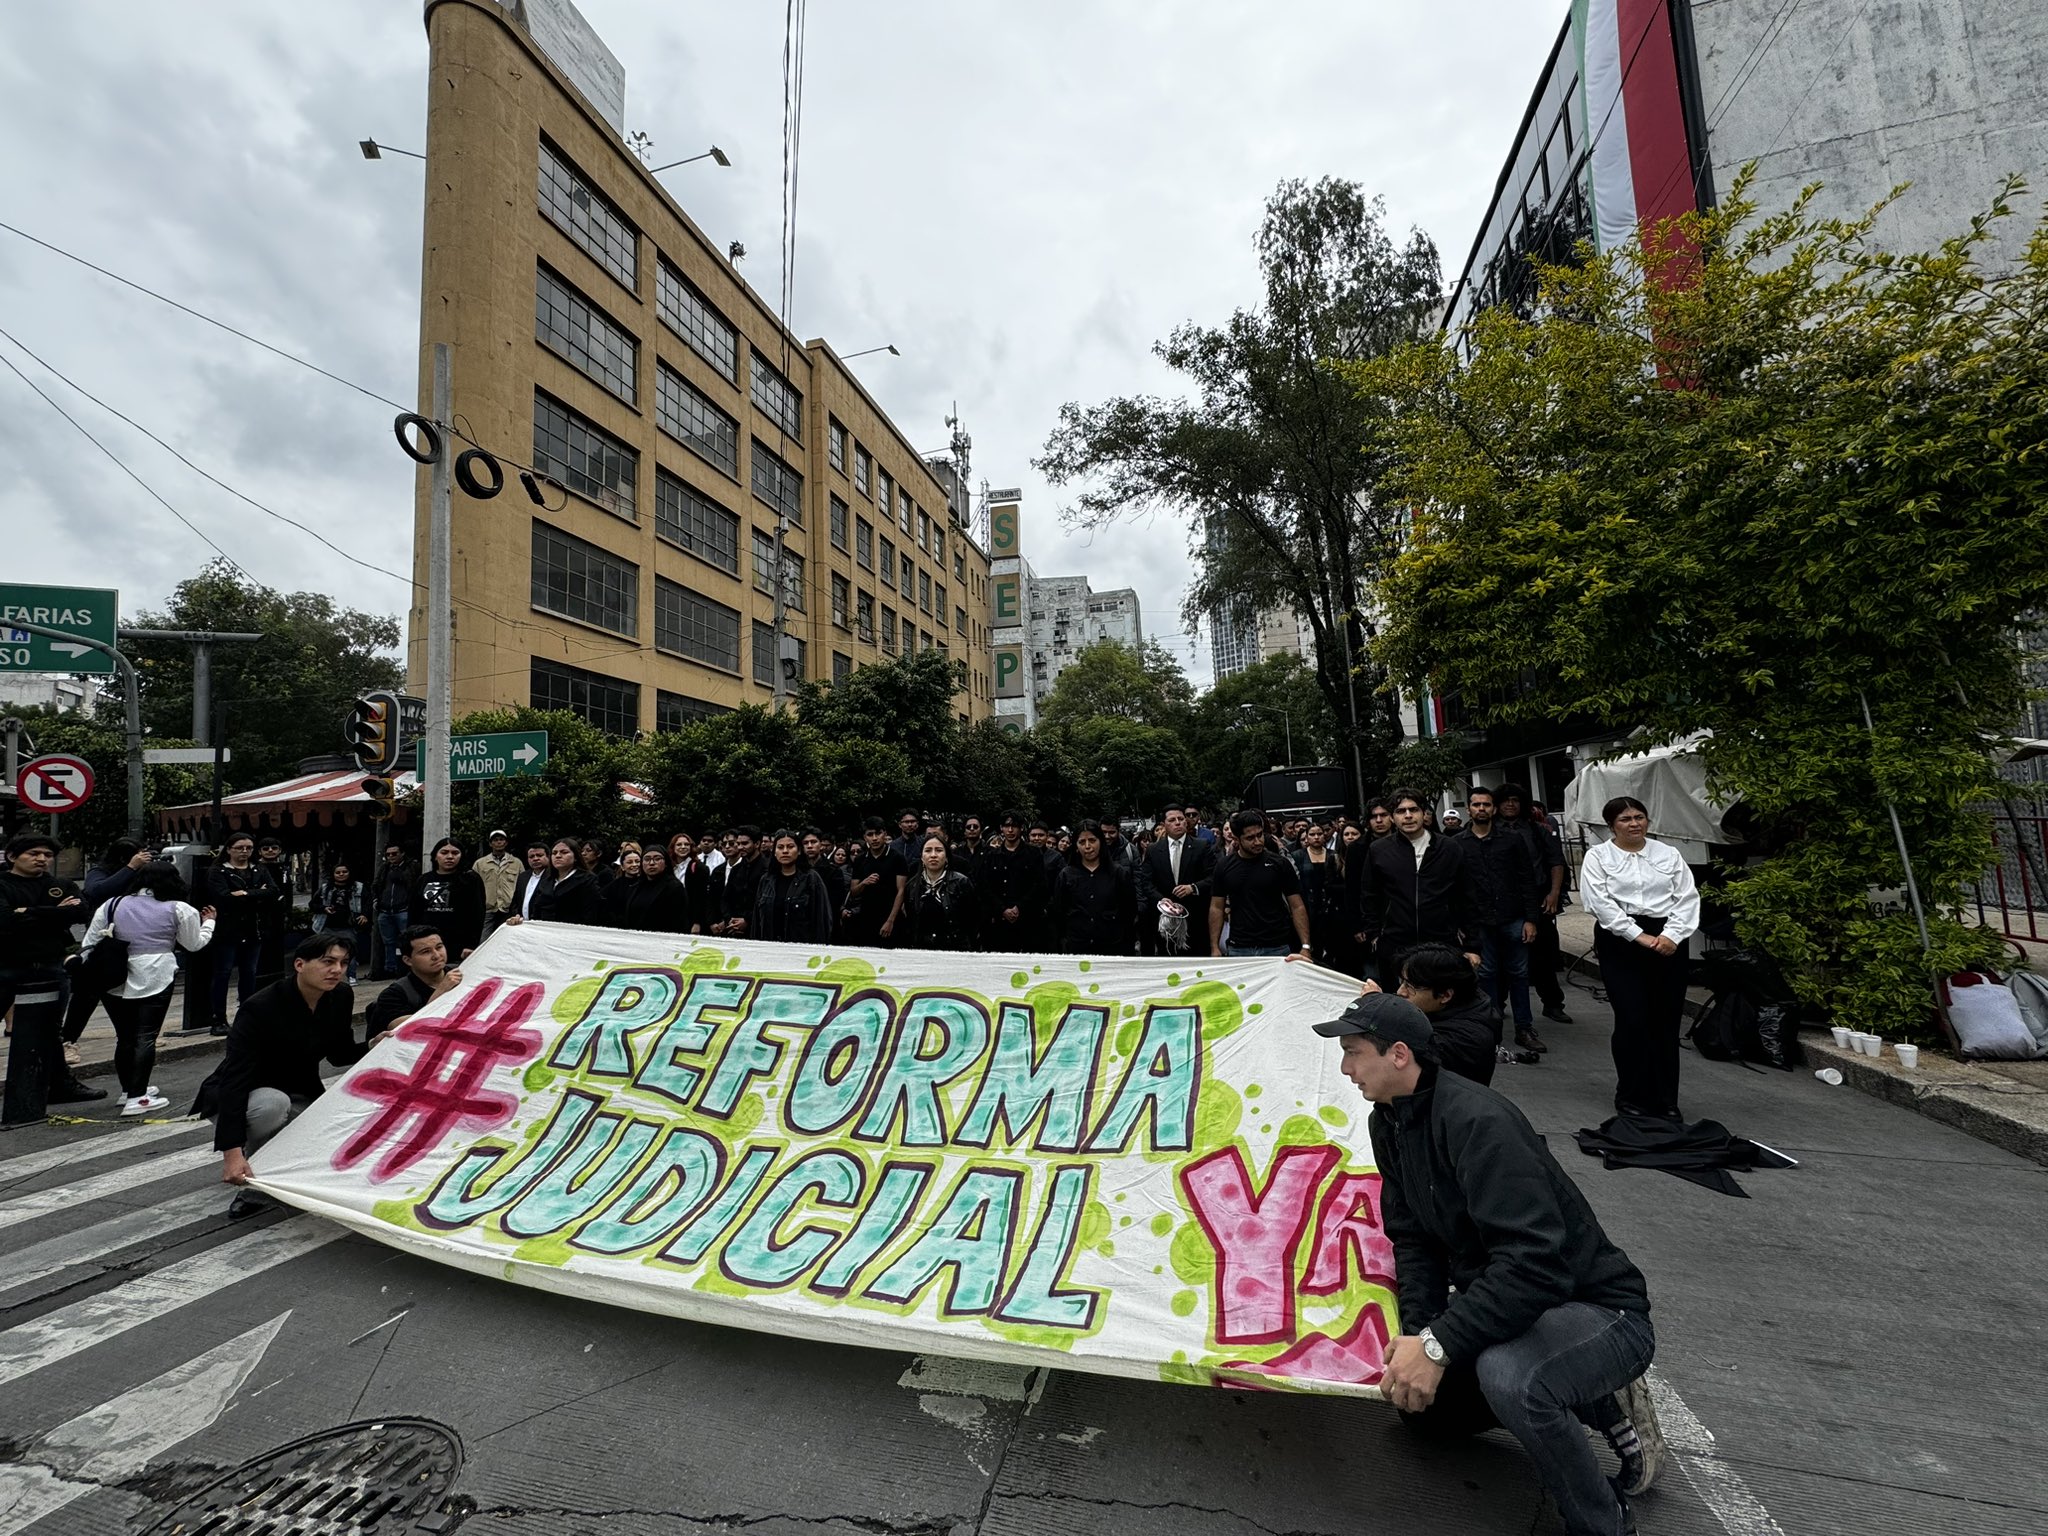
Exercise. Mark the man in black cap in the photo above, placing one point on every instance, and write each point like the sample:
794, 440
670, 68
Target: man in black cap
1516, 1310
37, 912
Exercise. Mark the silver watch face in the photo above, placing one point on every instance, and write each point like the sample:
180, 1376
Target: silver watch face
1431, 1348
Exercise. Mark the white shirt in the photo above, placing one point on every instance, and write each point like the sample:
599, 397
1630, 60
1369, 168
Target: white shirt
1619, 886
151, 974
1419, 846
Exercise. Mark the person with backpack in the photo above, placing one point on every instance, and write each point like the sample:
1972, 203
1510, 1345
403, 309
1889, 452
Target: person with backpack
132, 947
1642, 895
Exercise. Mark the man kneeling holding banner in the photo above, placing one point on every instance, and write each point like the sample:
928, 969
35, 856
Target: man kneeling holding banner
1549, 1326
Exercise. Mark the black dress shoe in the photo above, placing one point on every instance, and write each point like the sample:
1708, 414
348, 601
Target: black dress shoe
1556, 1014
248, 1203
218, 1029
74, 1092
1529, 1040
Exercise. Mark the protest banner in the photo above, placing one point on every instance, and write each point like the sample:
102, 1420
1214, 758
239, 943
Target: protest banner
1140, 1167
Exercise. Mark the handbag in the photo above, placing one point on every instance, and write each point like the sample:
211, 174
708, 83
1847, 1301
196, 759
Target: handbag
105, 967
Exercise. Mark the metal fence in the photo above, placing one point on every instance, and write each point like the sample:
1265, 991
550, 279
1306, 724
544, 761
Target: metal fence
2012, 895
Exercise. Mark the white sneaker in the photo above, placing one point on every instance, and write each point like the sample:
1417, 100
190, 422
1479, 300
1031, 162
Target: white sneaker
146, 1103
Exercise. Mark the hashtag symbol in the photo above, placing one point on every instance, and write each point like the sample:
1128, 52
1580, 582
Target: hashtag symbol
444, 1088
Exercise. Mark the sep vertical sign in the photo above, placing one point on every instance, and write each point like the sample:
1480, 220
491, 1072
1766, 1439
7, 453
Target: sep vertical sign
90, 612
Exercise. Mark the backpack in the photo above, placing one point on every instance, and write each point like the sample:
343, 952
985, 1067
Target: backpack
2031, 993
1727, 1031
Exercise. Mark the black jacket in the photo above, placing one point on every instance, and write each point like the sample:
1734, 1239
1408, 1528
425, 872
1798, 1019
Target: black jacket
1467, 1035
1472, 1198
1197, 868
1505, 873
528, 878
740, 885
1012, 878
403, 998
572, 898
700, 896
277, 1042
34, 931
656, 905
452, 905
798, 911
1093, 913
248, 914
945, 916
1432, 903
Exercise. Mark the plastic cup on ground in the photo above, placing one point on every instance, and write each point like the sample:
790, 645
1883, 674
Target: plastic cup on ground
1909, 1057
1829, 1076
1843, 1037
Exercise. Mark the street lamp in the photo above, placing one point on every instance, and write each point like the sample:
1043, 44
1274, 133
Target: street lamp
889, 348
1286, 724
713, 153
372, 150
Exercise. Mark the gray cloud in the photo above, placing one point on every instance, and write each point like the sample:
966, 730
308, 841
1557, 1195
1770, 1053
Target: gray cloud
1022, 199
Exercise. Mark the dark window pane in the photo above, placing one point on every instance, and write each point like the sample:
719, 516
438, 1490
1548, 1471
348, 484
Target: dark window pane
605, 702
571, 200
690, 520
584, 457
691, 316
689, 624
582, 582
567, 323
684, 412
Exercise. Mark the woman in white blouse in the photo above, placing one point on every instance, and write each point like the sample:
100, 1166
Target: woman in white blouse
155, 921
1642, 896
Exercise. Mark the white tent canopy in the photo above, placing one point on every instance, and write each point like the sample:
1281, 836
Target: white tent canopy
1670, 780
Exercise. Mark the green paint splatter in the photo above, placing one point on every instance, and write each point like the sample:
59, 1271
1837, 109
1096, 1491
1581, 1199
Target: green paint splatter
1085, 965
1161, 1224
1303, 1131
1094, 986
847, 972
396, 1213
1252, 1090
1020, 979
1106, 1248
1218, 1113
1222, 1013
1183, 1303
1125, 1040
575, 999
1094, 1223
1026, 1333
1191, 1256
1123, 1221
1330, 1114
537, 1077
551, 1248
1256, 1008
1173, 978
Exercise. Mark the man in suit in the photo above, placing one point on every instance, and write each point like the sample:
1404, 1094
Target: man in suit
1182, 866
531, 880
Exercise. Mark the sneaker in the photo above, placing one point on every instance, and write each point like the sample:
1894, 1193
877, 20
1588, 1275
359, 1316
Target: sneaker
1628, 1515
1508, 1055
73, 1056
75, 1092
1637, 1440
1556, 1014
1529, 1040
145, 1103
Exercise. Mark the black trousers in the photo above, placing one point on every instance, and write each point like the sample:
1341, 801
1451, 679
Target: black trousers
1647, 993
1544, 959
137, 1022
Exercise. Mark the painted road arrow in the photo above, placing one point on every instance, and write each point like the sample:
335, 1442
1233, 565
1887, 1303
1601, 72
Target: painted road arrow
123, 1435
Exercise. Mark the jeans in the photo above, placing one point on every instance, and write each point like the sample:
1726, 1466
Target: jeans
1545, 1388
1504, 958
37, 995
234, 959
1242, 951
137, 1022
389, 926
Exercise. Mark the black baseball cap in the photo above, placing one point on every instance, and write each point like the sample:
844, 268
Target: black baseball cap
1383, 1017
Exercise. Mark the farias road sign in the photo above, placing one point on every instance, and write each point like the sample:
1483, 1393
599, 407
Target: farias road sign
87, 611
493, 755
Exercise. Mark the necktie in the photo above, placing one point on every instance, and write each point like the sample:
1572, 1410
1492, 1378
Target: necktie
1173, 856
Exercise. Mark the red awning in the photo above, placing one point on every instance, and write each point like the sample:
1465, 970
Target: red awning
309, 799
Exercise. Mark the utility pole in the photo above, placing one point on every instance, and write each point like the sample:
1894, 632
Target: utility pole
440, 624
202, 642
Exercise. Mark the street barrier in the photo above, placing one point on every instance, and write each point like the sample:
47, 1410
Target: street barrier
1142, 1168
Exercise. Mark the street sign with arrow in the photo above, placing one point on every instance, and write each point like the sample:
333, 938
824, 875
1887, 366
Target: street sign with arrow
493, 755
91, 612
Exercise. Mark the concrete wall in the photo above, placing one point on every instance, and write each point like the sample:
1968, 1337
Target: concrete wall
1945, 94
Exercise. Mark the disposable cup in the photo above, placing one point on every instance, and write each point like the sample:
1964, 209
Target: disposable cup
1829, 1076
1909, 1057
1873, 1045
1843, 1036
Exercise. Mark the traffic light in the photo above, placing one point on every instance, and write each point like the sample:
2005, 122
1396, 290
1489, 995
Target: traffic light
383, 798
372, 733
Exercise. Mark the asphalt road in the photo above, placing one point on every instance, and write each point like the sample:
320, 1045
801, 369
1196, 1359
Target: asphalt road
1858, 1348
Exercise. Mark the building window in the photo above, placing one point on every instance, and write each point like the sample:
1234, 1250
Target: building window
687, 624
939, 599
903, 510
605, 702
842, 668
863, 468
764, 655
673, 711
691, 520
924, 529
569, 325
582, 582
835, 445
777, 397
885, 493
924, 590
691, 419
938, 544
780, 486
792, 571
864, 616
691, 316
590, 461
924, 639
909, 575
842, 599
839, 514
888, 563
864, 542
960, 621
573, 203
889, 630
959, 564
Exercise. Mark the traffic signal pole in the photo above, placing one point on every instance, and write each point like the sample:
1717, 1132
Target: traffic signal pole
434, 786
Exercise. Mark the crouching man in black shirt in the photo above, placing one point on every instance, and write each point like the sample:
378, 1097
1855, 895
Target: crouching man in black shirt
270, 1070
1516, 1309
424, 954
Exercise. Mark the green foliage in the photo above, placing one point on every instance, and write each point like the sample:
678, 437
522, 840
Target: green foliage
1274, 461
751, 765
288, 693
906, 703
1429, 766
577, 793
1242, 727
1126, 767
104, 817
1109, 680
991, 771
1744, 482
858, 778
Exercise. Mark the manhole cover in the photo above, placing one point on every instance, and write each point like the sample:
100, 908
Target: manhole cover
387, 1478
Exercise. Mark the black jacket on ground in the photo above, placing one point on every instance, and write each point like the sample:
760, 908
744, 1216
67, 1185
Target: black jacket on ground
1093, 912
1432, 903
1471, 1198
1467, 1035
277, 1042
1505, 875
943, 916
794, 911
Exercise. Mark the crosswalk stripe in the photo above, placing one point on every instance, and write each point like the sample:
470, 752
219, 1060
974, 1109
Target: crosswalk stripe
102, 1238
71, 1330
86, 1148
43, 1201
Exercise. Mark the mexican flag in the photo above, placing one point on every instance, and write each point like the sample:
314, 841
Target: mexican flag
1641, 168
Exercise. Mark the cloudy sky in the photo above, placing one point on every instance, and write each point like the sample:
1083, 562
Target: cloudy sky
1021, 198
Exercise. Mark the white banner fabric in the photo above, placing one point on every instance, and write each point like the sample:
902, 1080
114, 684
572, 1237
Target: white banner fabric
1143, 1168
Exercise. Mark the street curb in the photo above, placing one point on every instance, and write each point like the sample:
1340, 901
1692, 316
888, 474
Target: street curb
2010, 1115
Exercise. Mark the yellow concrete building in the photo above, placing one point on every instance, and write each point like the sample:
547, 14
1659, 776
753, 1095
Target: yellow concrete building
600, 335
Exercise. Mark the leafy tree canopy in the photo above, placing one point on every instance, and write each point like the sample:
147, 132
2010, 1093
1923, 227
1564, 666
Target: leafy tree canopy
1244, 725
104, 816
1111, 680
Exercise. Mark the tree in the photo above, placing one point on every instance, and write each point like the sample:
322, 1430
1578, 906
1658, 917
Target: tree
1746, 476
576, 794
1126, 767
1108, 679
1243, 726
906, 703
1276, 460
104, 816
288, 693
749, 766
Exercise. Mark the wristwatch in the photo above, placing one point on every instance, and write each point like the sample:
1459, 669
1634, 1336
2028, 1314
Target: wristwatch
1431, 1348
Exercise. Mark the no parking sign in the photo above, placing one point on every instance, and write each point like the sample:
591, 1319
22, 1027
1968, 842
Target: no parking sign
56, 782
